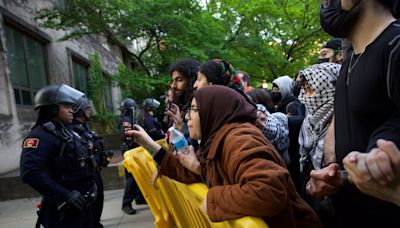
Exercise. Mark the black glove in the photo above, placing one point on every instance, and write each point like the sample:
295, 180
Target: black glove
91, 195
77, 200
106, 157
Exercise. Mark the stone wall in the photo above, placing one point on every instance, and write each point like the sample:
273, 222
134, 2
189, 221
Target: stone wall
16, 121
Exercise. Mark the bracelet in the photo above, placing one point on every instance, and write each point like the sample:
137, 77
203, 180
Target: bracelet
345, 178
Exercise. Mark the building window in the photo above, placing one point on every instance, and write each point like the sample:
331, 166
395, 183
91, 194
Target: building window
108, 97
26, 61
80, 74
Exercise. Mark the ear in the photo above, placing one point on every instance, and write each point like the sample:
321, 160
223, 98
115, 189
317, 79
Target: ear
339, 56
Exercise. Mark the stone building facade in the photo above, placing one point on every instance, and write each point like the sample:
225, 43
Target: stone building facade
32, 57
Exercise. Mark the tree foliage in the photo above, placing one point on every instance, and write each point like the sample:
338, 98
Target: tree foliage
266, 38
103, 120
270, 38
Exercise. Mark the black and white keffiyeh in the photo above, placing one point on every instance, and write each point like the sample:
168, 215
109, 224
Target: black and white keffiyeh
276, 130
322, 79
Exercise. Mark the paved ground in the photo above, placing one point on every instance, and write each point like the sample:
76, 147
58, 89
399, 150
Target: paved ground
21, 213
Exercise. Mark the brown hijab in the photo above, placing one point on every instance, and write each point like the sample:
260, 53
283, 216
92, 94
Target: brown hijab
219, 105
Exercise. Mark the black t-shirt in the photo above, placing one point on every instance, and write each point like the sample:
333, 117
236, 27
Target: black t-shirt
364, 112
367, 108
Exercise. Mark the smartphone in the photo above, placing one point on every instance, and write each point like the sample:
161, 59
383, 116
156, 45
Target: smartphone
171, 108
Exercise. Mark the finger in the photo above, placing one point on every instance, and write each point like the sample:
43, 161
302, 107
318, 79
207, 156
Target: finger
179, 155
384, 165
333, 169
352, 176
176, 107
318, 174
171, 114
373, 168
351, 157
325, 173
362, 169
319, 189
310, 187
191, 149
350, 167
133, 133
391, 149
138, 127
186, 151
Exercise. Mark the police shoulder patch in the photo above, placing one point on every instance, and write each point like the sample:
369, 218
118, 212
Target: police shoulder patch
30, 143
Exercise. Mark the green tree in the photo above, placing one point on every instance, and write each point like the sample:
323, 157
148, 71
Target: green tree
164, 30
267, 38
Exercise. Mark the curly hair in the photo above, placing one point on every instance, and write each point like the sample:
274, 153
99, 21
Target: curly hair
188, 68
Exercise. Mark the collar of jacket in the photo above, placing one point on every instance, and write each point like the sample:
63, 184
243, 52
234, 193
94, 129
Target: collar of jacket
220, 138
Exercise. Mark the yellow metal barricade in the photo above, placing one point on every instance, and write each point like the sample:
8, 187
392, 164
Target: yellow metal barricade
173, 203
142, 166
200, 190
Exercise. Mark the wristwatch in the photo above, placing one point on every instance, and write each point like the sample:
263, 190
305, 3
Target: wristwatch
345, 178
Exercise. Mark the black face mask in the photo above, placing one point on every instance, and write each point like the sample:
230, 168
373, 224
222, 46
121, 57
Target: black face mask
336, 21
296, 89
319, 61
276, 97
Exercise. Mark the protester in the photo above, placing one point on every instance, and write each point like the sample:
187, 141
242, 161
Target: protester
318, 95
261, 96
218, 72
245, 174
367, 103
183, 76
245, 79
282, 94
331, 52
274, 126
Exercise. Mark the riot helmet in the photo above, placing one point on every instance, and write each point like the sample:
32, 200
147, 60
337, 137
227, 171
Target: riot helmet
128, 103
56, 94
128, 107
48, 100
81, 106
150, 104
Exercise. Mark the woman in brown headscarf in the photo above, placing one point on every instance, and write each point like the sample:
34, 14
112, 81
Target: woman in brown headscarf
245, 174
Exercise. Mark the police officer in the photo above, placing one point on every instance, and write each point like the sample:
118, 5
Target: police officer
128, 117
56, 164
94, 144
150, 123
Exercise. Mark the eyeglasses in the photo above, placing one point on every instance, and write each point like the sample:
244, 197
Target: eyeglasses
189, 111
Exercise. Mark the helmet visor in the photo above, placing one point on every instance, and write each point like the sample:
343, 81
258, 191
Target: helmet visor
67, 94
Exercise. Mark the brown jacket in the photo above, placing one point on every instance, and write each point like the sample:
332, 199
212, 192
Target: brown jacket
247, 177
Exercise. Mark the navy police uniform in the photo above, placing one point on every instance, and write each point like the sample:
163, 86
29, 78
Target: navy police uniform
153, 127
55, 163
100, 158
131, 188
